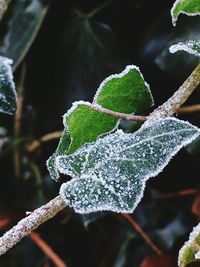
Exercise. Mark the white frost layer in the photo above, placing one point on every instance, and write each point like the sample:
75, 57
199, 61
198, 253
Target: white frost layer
195, 232
187, 47
120, 75
103, 164
174, 19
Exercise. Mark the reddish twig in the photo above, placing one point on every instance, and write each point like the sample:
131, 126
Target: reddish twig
184, 193
36, 238
45, 138
5, 222
119, 115
138, 228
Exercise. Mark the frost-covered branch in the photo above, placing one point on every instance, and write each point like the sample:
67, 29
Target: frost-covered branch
31, 222
46, 212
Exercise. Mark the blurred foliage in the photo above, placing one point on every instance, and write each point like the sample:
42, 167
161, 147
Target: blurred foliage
62, 50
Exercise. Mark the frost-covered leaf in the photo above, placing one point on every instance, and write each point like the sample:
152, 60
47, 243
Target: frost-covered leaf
23, 23
191, 47
187, 7
191, 249
110, 174
125, 92
7, 87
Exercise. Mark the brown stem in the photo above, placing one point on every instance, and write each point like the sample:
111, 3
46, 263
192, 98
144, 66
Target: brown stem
189, 109
45, 138
183, 193
119, 115
138, 228
47, 249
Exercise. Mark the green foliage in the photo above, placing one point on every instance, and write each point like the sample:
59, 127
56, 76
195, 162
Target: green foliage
7, 87
125, 92
188, 256
110, 174
188, 7
191, 47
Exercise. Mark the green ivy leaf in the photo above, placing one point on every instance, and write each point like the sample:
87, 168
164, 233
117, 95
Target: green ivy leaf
187, 7
23, 23
191, 47
190, 252
110, 174
7, 87
125, 92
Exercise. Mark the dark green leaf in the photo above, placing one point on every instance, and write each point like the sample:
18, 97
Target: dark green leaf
24, 21
110, 174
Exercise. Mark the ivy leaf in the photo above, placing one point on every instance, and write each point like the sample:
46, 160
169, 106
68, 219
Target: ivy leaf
110, 174
125, 92
187, 7
190, 252
191, 47
23, 23
7, 87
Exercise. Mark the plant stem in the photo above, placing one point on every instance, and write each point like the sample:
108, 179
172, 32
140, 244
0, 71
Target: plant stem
47, 250
119, 115
45, 138
31, 222
46, 212
17, 135
189, 109
138, 228
172, 105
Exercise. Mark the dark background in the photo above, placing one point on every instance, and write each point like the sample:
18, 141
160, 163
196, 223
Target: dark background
66, 61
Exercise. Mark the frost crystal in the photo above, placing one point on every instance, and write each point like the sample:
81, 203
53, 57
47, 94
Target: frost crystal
191, 47
7, 87
110, 174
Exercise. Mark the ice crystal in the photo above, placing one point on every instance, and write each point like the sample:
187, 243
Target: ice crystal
110, 174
